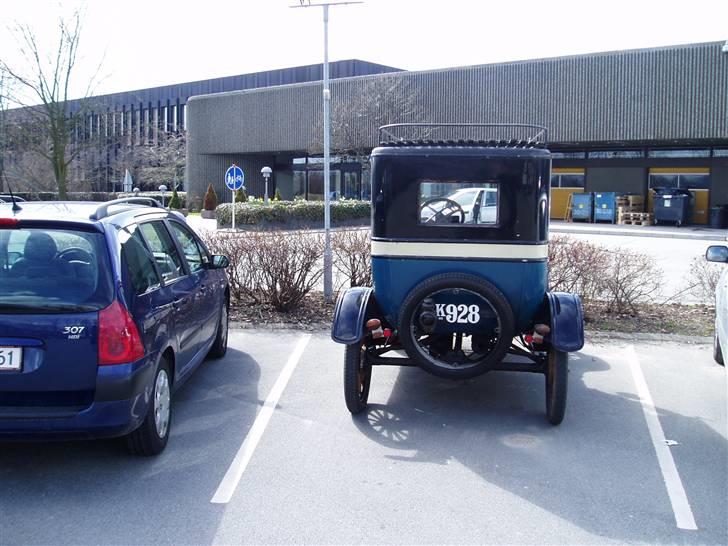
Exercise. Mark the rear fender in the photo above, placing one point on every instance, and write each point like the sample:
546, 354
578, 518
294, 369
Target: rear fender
567, 321
350, 314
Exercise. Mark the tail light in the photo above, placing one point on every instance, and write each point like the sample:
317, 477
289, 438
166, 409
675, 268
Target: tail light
8, 223
119, 339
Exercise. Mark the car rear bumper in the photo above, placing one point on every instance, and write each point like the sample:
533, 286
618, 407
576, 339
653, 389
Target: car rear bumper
120, 404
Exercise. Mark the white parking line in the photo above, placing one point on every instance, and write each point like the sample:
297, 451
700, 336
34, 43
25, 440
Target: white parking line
232, 477
675, 490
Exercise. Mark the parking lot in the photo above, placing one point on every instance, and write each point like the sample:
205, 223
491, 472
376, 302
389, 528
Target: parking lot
433, 461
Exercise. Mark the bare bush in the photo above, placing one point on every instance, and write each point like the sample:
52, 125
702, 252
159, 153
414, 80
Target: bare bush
633, 278
287, 266
578, 267
276, 268
702, 278
352, 256
241, 277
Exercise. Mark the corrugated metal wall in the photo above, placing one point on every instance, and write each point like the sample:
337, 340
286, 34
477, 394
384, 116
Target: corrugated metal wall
666, 94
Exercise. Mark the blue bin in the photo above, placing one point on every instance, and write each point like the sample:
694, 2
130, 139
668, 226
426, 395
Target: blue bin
605, 206
582, 205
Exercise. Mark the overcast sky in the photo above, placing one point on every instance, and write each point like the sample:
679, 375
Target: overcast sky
146, 43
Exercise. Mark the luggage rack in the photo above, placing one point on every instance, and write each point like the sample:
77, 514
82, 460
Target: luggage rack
103, 210
519, 135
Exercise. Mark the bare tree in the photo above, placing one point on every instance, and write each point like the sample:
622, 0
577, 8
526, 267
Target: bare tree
50, 124
375, 101
4, 82
163, 161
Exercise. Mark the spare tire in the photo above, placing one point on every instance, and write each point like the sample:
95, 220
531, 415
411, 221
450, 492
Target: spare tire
445, 355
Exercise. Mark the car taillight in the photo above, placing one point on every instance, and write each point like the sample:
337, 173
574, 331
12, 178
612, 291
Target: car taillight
8, 223
119, 339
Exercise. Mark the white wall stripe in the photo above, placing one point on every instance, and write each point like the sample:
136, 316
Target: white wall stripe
433, 249
675, 490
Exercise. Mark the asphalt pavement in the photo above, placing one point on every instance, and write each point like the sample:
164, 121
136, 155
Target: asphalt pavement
432, 462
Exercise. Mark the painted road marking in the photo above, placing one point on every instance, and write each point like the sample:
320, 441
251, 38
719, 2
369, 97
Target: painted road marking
232, 477
675, 490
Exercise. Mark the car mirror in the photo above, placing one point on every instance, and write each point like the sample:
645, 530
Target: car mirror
220, 262
717, 253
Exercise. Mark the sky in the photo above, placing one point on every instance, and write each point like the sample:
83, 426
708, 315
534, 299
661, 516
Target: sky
147, 43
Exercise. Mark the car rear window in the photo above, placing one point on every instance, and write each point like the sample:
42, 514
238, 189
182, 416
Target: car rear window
53, 271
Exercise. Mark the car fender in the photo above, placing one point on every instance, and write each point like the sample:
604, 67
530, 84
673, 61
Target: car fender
350, 314
567, 321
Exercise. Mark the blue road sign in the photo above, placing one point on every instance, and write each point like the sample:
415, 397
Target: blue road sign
234, 178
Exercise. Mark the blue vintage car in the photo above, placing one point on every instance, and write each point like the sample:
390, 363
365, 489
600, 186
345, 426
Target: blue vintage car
459, 265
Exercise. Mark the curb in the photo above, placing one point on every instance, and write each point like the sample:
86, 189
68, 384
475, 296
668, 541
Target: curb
635, 233
600, 336
597, 336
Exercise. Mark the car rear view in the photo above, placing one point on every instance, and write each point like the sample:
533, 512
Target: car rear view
68, 347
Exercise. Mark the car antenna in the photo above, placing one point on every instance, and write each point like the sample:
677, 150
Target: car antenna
16, 207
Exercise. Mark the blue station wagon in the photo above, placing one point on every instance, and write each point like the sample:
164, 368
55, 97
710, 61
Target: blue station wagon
105, 309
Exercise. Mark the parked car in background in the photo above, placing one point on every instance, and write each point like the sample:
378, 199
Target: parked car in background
105, 310
719, 254
469, 205
9, 198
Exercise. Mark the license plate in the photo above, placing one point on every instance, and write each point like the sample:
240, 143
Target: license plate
11, 359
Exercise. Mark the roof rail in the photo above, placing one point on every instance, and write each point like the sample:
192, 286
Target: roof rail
103, 210
463, 134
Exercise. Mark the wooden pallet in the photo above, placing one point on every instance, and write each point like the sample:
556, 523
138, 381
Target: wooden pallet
621, 209
636, 219
631, 201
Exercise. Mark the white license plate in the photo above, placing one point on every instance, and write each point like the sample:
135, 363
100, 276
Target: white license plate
11, 359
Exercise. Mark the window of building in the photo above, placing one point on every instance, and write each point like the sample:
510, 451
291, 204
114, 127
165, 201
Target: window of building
568, 179
679, 153
615, 154
691, 179
568, 155
720, 152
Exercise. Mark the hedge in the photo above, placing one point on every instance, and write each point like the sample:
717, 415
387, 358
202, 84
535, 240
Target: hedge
296, 214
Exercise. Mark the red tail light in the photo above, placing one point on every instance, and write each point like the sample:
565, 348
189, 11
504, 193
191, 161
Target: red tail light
119, 339
8, 222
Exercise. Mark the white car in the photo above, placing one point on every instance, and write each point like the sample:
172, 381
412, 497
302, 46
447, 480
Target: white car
483, 200
719, 254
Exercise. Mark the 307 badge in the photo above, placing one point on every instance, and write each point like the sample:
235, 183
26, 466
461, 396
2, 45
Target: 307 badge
73, 332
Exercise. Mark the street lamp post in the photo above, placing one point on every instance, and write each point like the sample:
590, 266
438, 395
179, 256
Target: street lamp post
328, 273
266, 172
163, 189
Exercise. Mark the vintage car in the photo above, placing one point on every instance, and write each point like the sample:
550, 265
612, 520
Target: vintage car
459, 265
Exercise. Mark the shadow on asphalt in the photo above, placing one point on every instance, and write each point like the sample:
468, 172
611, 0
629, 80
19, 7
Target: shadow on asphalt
597, 470
93, 492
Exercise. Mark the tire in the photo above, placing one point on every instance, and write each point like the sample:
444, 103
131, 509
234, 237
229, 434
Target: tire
557, 382
357, 378
219, 346
717, 352
464, 281
152, 435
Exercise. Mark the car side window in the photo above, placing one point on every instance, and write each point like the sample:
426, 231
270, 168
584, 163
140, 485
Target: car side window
165, 253
194, 256
138, 261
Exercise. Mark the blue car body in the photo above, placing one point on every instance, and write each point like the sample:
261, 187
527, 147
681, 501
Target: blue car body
61, 389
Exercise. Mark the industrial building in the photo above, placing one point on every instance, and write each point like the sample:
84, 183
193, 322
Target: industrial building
624, 121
